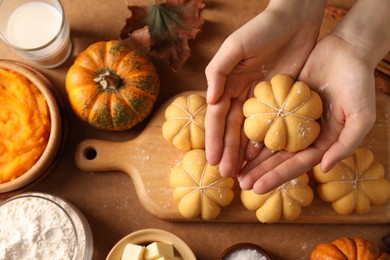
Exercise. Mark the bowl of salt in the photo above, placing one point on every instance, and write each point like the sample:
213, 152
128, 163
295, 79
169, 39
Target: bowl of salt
246, 251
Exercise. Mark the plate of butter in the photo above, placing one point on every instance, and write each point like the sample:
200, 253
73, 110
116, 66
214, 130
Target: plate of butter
148, 244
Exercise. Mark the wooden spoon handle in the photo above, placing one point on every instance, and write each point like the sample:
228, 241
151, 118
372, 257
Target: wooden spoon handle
100, 155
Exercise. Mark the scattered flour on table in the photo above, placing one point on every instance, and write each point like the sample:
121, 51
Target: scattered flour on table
304, 246
35, 228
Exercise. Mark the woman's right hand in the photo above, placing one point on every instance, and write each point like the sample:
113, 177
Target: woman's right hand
278, 40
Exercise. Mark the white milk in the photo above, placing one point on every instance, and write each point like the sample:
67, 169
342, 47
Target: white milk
33, 25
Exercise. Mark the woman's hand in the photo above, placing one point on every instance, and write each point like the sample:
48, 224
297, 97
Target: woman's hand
278, 40
341, 69
345, 81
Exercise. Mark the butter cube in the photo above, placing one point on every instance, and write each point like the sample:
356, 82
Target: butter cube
133, 252
158, 249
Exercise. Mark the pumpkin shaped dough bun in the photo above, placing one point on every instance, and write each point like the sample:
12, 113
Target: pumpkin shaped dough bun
283, 114
199, 188
354, 184
284, 202
184, 125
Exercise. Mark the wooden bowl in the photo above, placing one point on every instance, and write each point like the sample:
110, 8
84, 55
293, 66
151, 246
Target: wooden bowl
51, 151
244, 246
147, 236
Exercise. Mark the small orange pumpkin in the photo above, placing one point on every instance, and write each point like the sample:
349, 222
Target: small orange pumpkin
347, 248
112, 85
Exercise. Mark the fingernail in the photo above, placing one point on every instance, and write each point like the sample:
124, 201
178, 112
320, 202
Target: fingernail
325, 167
259, 188
209, 96
244, 185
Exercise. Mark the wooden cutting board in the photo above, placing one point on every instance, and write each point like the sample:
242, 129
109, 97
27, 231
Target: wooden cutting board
148, 159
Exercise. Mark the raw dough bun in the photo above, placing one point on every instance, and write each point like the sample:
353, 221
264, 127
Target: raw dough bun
184, 125
354, 183
199, 187
282, 114
284, 202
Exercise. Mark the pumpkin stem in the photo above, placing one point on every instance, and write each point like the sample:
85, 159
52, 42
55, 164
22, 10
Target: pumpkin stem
108, 80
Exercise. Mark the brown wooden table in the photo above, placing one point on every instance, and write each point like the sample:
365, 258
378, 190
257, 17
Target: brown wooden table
108, 199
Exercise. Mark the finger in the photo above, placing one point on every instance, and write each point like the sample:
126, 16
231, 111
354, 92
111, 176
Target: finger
352, 135
252, 176
215, 129
252, 150
243, 144
222, 64
263, 155
232, 140
287, 170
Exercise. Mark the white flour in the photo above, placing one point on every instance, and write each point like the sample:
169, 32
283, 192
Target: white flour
36, 228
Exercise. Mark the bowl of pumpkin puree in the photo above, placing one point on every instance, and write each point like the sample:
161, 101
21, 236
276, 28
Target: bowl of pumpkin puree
30, 127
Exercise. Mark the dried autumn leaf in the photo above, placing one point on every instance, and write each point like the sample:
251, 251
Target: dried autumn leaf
142, 37
170, 24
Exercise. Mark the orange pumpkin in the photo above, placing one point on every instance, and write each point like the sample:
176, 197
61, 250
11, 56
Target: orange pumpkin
347, 248
112, 85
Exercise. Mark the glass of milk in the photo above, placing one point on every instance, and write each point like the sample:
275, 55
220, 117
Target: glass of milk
36, 29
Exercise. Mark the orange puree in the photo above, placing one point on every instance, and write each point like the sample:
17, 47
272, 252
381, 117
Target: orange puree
24, 125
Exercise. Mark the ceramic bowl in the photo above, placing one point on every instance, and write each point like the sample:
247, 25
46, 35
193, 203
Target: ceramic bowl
248, 247
8, 189
147, 236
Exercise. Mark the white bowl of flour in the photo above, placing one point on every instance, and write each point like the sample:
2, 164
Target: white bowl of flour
42, 226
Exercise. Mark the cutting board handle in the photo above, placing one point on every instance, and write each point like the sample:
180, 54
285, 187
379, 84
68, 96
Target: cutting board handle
99, 155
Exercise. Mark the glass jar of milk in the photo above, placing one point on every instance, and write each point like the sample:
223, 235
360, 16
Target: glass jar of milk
36, 29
